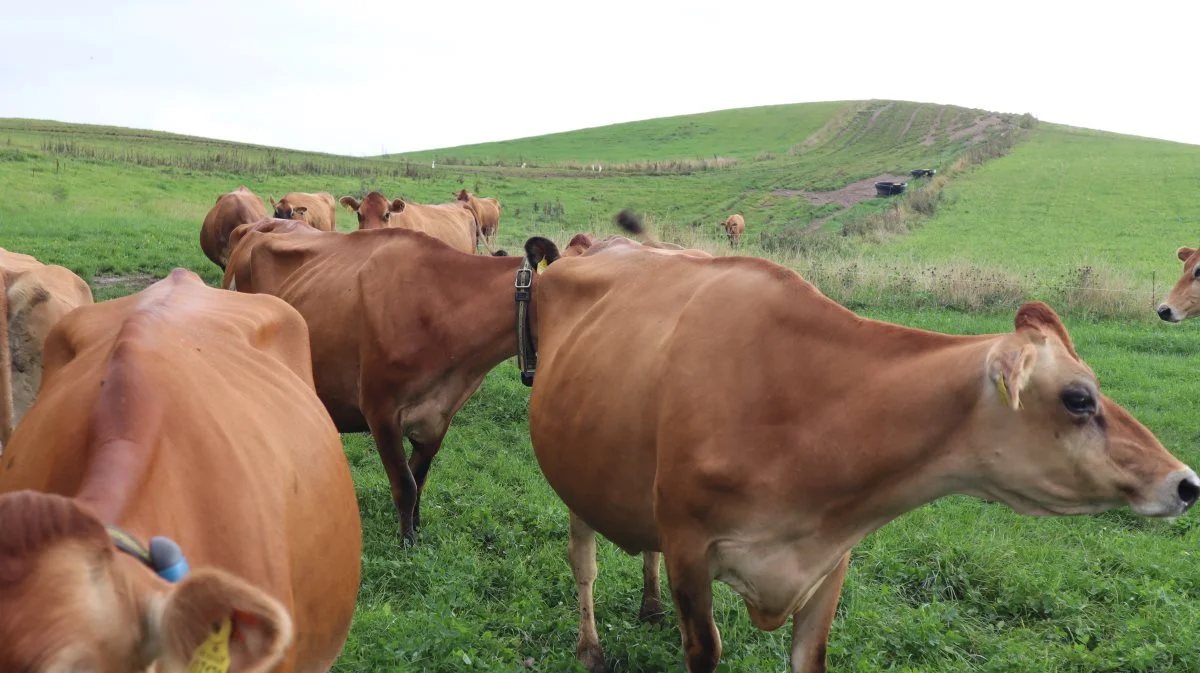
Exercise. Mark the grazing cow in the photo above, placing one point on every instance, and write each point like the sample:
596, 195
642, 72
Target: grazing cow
237, 207
318, 210
403, 327
486, 211
33, 297
1184, 300
735, 226
827, 426
188, 413
452, 223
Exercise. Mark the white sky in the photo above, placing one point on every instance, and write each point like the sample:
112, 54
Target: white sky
365, 76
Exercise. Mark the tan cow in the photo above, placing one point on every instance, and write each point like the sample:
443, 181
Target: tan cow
1184, 300
403, 328
486, 211
452, 223
735, 226
237, 207
827, 426
318, 209
184, 412
33, 297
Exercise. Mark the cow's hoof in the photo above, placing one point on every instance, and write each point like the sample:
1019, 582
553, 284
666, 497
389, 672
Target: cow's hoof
591, 656
652, 614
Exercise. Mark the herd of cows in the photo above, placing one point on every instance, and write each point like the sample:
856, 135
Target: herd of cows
174, 493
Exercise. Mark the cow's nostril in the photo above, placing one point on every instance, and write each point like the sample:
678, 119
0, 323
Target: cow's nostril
1164, 312
1189, 491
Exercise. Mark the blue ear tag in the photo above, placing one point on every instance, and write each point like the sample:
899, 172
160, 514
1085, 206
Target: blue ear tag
167, 559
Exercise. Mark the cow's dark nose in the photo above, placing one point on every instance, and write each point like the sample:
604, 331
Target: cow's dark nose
1189, 490
1164, 312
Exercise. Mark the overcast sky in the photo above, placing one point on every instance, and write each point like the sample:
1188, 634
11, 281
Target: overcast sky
364, 76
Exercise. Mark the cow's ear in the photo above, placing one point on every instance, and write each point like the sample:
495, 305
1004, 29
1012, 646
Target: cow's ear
1039, 317
1009, 371
350, 202
213, 620
272, 197
541, 252
1184, 254
398, 206
300, 210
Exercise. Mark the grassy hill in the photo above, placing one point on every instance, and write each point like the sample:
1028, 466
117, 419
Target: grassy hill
958, 585
1071, 196
743, 133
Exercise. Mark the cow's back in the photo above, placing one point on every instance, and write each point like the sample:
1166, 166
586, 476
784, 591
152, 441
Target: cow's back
202, 406
597, 352
36, 297
451, 223
237, 207
318, 276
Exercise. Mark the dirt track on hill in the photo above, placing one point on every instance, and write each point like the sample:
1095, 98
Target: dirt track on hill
845, 197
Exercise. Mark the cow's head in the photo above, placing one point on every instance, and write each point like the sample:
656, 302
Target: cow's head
1049, 442
70, 601
374, 211
1184, 300
464, 195
284, 210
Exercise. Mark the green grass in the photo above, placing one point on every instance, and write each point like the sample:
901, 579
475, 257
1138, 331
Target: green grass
1067, 198
958, 585
741, 133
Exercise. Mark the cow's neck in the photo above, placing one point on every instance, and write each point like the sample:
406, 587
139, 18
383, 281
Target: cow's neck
489, 312
930, 453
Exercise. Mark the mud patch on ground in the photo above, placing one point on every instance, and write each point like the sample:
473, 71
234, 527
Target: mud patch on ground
135, 282
845, 197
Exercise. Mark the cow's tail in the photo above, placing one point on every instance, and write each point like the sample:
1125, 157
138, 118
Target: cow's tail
481, 239
6, 394
629, 222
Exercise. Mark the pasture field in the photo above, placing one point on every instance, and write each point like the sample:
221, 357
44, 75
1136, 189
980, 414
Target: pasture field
957, 585
1070, 197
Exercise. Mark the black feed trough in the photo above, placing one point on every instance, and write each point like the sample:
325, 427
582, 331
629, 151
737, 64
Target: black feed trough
890, 188
923, 172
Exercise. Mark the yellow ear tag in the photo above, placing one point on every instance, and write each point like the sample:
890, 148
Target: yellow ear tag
1003, 390
213, 654
541, 266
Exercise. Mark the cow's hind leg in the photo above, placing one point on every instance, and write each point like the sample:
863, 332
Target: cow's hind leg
390, 444
652, 607
582, 552
691, 587
810, 625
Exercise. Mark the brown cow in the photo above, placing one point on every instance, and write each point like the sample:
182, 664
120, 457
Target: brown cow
735, 226
237, 207
1184, 300
318, 209
828, 425
33, 297
403, 328
184, 412
486, 211
452, 223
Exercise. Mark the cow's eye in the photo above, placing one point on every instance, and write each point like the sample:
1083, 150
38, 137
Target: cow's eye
1196, 271
1079, 401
